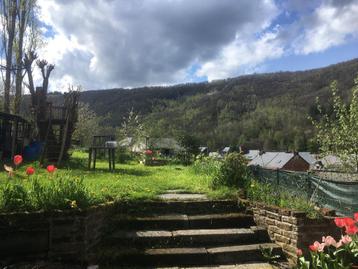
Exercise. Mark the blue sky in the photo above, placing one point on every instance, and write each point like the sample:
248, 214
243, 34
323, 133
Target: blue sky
105, 44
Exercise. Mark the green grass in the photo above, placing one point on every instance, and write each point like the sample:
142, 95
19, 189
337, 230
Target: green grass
129, 182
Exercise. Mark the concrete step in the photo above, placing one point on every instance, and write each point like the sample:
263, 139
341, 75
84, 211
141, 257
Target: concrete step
237, 254
182, 221
255, 265
188, 238
191, 207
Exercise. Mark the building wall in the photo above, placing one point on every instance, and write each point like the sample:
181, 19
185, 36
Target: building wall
297, 163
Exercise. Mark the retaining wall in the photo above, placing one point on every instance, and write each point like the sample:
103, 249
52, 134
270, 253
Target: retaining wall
66, 236
293, 230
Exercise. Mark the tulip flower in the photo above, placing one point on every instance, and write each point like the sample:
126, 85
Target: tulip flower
299, 252
51, 168
352, 229
30, 170
17, 160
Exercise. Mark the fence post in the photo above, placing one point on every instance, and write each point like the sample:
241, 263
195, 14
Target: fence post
278, 177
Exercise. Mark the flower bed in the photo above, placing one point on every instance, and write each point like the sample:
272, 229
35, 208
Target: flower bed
291, 229
330, 253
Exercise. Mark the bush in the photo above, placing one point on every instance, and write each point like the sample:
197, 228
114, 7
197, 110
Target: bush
206, 165
233, 172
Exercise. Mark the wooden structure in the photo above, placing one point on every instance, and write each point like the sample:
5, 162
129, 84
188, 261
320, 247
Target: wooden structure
14, 131
56, 125
98, 146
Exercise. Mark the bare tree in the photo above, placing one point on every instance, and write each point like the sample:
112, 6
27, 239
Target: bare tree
46, 70
9, 12
29, 58
26, 26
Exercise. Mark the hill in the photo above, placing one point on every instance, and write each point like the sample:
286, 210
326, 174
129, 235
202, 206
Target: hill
262, 110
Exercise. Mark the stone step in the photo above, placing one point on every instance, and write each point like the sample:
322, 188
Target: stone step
191, 207
182, 221
188, 238
237, 254
255, 265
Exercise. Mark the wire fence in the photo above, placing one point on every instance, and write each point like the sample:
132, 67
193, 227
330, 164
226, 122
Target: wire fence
338, 195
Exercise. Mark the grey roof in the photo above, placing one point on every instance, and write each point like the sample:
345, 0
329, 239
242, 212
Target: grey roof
226, 149
252, 154
308, 157
277, 160
280, 160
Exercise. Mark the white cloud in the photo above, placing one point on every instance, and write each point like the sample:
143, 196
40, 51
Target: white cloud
131, 43
242, 56
106, 44
329, 25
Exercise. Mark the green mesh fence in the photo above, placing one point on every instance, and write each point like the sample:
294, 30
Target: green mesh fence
337, 195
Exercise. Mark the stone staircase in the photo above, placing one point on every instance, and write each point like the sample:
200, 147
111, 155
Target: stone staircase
184, 234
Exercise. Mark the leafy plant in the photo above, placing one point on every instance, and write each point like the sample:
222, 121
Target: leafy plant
273, 195
233, 172
14, 197
337, 133
207, 165
269, 256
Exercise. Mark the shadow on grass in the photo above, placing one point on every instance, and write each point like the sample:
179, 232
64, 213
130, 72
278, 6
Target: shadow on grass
133, 172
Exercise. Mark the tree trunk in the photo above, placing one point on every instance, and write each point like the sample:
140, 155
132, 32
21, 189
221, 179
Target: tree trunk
19, 56
10, 43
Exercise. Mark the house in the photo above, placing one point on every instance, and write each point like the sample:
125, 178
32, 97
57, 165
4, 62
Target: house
293, 161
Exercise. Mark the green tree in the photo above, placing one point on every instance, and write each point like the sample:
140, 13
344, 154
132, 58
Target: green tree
88, 125
337, 134
131, 126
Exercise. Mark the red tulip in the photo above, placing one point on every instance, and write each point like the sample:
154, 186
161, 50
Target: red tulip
348, 222
352, 230
17, 159
148, 152
299, 252
30, 170
51, 168
356, 216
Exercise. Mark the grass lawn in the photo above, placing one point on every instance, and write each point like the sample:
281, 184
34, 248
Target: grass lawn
129, 182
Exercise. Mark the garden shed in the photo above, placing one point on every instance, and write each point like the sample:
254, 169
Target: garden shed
14, 134
292, 161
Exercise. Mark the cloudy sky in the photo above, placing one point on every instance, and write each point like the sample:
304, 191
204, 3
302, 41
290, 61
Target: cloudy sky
128, 43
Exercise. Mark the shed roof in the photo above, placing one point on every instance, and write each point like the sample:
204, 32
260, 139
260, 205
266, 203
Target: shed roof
277, 160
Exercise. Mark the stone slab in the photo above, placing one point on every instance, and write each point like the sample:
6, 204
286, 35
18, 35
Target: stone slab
183, 196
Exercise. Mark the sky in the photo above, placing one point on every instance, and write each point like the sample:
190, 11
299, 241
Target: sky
101, 44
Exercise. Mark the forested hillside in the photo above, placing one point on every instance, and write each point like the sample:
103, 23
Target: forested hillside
261, 111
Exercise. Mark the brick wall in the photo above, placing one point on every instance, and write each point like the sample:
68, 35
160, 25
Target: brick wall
291, 229
69, 235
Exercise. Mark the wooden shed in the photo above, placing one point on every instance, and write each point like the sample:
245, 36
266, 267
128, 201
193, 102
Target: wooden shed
14, 134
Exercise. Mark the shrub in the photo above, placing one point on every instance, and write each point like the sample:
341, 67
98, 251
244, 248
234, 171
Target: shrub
206, 165
233, 172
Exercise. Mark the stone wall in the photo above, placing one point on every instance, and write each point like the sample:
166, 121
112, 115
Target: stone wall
69, 235
293, 230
